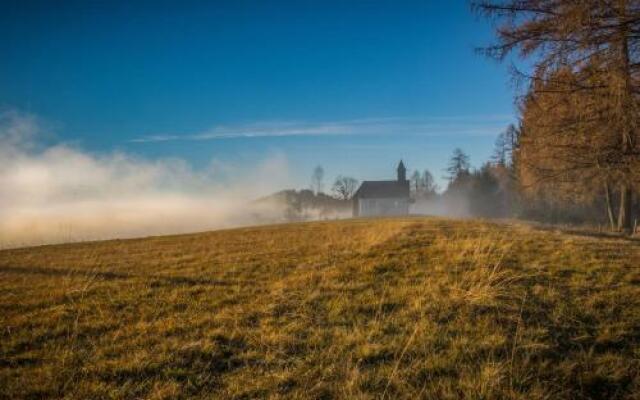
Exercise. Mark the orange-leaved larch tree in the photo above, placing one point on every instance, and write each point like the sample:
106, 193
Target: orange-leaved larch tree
585, 79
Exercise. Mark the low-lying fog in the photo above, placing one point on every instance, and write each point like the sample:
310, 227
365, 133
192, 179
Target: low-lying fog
60, 193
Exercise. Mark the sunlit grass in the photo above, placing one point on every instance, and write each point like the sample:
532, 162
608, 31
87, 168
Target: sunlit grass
395, 308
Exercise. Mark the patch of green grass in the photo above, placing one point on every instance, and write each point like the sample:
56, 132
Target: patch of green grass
381, 308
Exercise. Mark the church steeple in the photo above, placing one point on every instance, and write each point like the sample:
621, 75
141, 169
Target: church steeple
402, 172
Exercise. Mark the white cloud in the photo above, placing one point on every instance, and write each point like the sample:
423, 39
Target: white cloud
443, 125
61, 193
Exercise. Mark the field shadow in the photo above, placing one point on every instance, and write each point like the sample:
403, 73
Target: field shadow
155, 280
64, 272
576, 336
197, 370
589, 234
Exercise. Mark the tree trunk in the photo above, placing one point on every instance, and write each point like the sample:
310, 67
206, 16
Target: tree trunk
634, 212
624, 213
607, 194
625, 108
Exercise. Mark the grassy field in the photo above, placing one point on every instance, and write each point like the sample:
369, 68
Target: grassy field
389, 308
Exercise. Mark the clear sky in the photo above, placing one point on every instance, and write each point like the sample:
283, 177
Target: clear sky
352, 85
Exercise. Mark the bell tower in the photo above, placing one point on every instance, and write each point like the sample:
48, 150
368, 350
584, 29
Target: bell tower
402, 172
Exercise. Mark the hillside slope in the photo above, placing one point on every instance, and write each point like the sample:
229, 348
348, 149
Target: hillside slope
396, 308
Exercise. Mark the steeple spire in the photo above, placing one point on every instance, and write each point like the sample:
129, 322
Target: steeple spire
402, 172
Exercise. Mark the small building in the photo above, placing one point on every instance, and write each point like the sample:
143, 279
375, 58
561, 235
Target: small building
378, 198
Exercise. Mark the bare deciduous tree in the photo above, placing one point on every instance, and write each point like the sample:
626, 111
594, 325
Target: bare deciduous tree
416, 183
344, 187
317, 179
428, 183
504, 146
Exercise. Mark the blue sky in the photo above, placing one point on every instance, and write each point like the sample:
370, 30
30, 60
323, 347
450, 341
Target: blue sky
353, 86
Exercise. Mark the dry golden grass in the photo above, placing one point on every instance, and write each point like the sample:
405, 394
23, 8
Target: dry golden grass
389, 308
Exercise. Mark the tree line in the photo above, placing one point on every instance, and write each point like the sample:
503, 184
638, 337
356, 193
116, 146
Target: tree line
575, 150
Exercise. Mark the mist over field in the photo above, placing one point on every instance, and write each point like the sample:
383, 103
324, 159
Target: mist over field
59, 193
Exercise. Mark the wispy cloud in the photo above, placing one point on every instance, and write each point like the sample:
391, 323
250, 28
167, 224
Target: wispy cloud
438, 125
